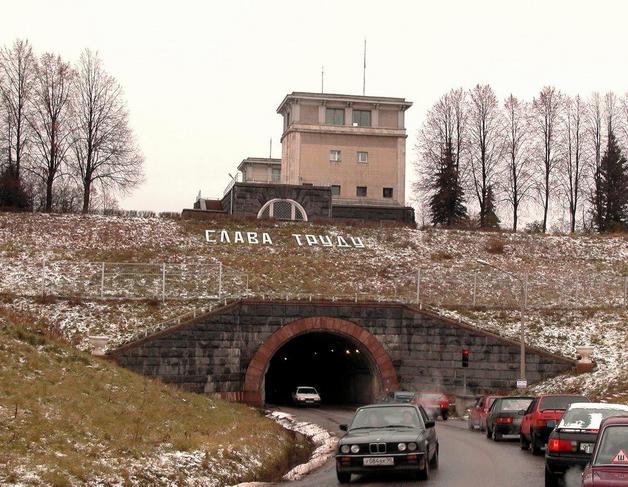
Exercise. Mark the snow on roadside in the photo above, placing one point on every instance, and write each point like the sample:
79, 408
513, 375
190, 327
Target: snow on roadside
324, 446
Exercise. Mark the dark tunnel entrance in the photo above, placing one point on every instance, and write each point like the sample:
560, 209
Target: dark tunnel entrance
342, 370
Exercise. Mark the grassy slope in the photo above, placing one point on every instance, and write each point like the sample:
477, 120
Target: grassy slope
565, 272
67, 417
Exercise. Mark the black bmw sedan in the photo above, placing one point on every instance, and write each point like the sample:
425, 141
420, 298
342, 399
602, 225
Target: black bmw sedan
387, 437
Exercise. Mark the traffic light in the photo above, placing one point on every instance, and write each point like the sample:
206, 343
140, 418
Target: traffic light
465, 357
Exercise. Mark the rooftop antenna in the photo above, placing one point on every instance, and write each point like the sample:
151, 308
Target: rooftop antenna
322, 78
270, 150
364, 70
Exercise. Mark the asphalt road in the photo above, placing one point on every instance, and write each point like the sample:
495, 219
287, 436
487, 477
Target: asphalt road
467, 458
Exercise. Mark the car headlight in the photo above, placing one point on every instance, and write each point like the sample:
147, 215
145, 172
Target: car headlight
355, 448
344, 448
401, 447
411, 446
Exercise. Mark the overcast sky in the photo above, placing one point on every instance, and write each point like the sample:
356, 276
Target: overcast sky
203, 79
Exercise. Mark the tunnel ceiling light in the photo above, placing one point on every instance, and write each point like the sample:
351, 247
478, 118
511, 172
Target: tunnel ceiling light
357, 351
332, 349
285, 358
347, 351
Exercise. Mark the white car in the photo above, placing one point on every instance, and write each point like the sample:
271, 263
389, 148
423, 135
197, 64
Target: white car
305, 396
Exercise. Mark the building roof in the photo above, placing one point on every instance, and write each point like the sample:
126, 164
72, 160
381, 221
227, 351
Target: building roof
259, 160
380, 100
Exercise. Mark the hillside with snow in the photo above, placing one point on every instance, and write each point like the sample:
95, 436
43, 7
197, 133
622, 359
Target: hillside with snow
121, 277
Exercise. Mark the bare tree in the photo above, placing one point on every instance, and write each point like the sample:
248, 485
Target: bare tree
102, 141
50, 120
485, 144
444, 127
547, 111
518, 180
571, 172
595, 134
17, 74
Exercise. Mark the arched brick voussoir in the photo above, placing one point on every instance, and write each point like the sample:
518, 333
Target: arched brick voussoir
258, 366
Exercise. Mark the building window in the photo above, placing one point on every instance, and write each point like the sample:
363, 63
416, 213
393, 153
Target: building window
363, 157
307, 184
360, 191
335, 155
388, 192
362, 118
335, 190
335, 116
276, 174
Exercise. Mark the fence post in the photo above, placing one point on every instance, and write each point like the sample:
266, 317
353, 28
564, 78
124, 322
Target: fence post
475, 286
102, 280
43, 278
163, 282
625, 291
219, 279
418, 286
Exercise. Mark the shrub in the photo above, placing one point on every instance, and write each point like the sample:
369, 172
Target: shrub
495, 246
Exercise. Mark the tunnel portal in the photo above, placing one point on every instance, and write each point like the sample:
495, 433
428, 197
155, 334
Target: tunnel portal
341, 370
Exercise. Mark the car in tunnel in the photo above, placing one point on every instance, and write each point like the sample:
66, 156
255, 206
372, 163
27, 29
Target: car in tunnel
387, 437
609, 462
571, 443
306, 396
504, 417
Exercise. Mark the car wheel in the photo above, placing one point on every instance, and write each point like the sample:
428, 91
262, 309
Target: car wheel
523, 442
551, 480
445, 415
489, 433
482, 426
424, 473
470, 424
434, 460
343, 477
536, 449
496, 436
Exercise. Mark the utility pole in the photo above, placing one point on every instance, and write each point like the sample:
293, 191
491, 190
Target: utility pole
364, 70
322, 79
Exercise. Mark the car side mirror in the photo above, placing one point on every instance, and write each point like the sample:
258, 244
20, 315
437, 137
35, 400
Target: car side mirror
343, 427
430, 424
522, 412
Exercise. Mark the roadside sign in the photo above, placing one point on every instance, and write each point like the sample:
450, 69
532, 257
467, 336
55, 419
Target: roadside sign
522, 383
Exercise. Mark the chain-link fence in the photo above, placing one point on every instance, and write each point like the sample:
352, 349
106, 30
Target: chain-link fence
127, 280
437, 285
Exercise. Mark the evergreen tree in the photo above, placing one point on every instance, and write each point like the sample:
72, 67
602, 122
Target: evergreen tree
447, 202
12, 194
611, 195
491, 220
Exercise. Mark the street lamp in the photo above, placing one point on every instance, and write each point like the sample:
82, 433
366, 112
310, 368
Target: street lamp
524, 299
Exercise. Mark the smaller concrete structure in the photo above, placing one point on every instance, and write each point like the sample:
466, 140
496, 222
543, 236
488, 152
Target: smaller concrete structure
260, 170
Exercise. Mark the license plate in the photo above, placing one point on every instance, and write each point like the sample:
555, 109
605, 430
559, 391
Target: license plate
586, 447
379, 461
551, 424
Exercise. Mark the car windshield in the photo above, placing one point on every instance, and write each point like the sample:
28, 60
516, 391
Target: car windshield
490, 402
613, 447
559, 402
306, 390
404, 396
589, 417
385, 417
513, 404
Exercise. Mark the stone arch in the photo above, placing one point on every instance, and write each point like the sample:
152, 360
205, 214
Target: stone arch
282, 209
253, 391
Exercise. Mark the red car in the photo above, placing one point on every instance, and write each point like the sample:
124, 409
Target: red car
609, 463
434, 403
478, 413
541, 417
